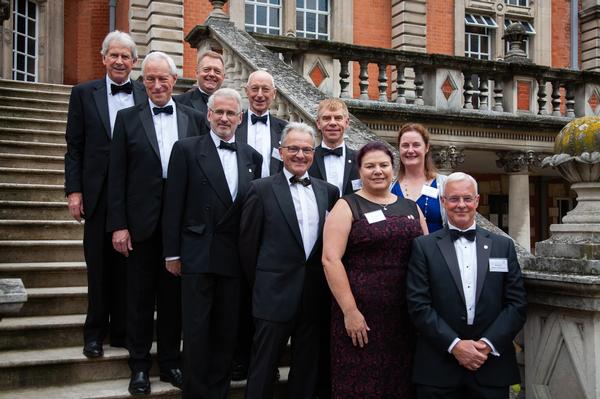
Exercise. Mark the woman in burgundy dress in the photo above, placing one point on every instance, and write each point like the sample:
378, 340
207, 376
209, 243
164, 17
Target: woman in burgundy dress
367, 239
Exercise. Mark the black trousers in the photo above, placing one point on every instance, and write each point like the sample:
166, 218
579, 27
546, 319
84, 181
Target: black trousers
245, 326
210, 307
106, 275
150, 286
468, 389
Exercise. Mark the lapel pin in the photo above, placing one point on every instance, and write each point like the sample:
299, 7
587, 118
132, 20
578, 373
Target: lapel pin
485, 247
349, 161
250, 170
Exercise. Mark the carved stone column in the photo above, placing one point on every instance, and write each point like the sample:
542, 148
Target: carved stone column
447, 158
517, 164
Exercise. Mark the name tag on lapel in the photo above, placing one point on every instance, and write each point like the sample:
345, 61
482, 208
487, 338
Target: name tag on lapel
356, 184
275, 154
499, 265
375, 216
430, 191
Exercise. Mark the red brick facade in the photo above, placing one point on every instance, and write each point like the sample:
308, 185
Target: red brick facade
440, 27
561, 33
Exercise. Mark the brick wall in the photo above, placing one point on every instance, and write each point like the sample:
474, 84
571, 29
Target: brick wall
561, 33
372, 27
122, 17
86, 25
440, 27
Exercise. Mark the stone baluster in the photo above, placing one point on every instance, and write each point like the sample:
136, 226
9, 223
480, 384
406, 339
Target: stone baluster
401, 98
364, 80
468, 90
419, 88
344, 78
483, 92
556, 98
382, 79
218, 9
541, 97
570, 100
498, 94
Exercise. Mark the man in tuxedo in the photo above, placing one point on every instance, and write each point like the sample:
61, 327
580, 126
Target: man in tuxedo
208, 178
143, 138
210, 73
262, 131
280, 248
334, 161
93, 108
466, 298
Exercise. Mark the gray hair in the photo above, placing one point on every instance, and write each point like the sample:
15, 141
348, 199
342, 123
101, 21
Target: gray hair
121, 38
159, 55
297, 127
460, 176
260, 71
226, 92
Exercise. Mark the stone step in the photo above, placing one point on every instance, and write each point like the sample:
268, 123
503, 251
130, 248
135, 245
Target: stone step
117, 389
32, 113
46, 274
32, 147
41, 229
31, 161
41, 332
33, 123
54, 301
50, 104
36, 87
31, 192
34, 210
13, 251
37, 135
28, 93
32, 176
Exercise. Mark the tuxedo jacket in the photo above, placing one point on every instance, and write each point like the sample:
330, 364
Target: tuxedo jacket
135, 183
192, 98
277, 125
88, 140
437, 307
272, 252
200, 219
317, 169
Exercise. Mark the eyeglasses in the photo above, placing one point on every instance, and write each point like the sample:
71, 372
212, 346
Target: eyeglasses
294, 150
455, 199
221, 112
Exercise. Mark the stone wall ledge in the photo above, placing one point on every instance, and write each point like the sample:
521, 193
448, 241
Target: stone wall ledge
572, 291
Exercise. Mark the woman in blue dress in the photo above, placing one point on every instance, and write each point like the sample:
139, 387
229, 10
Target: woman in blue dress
418, 179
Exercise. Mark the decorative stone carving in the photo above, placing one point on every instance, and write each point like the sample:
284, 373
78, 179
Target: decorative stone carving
514, 34
448, 158
4, 10
517, 161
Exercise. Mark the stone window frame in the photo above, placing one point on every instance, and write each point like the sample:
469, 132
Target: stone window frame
517, 3
269, 27
27, 35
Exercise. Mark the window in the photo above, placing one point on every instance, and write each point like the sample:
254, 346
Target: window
521, 3
263, 16
477, 42
528, 28
484, 21
312, 19
25, 40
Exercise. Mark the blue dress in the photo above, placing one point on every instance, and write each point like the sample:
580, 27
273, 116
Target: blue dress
429, 206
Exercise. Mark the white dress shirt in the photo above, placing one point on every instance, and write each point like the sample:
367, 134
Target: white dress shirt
117, 102
165, 126
334, 167
259, 138
307, 212
229, 163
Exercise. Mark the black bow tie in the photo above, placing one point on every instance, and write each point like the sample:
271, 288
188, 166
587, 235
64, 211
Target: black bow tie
338, 152
228, 146
304, 181
254, 118
116, 89
204, 96
167, 110
468, 234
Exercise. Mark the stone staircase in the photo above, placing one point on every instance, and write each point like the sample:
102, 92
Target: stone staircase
40, 348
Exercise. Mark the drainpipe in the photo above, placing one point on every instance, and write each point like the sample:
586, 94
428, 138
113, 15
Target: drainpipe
574, 34
112, 14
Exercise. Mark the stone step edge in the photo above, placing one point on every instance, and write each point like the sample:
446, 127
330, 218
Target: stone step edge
33, 243
52, 292
27, 109
32, 203
32, 157
42, 266
29, 186
40, 322
35, 100
28, 222
32, 170
61, 355
33, 120
32, 144
31, 131
13, 82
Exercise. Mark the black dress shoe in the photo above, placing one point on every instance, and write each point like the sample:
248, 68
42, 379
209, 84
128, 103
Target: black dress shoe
239, 372
173, 376
93, 349
139, 384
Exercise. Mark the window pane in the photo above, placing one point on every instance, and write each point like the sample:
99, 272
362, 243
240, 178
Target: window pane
31, 46
474, 44
469, 18
299, 20
21, 24
261, 1
310, 36
249, 14
21, 43
323, 5
31, 9
30, 65
20, 62
31, 78
20, 76
21, 6
311, 21
273, 17
311, 4
484, 45
323, 23
276, 2
261, 15
30, 28
299, 3
261, 30
274, 32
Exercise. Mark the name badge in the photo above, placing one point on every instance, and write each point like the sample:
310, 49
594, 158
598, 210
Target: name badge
275, 154
356, 184
430, 191
499, 265
375, 216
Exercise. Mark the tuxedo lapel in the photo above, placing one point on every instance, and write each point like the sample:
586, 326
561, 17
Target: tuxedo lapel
283, 195
146, 118
484, 248
320, 191
197, 100
449, 253
183, 121
274, 163
320, 160
101, 100
241, 133
245, 170
139, 93
348, 165
209, 161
